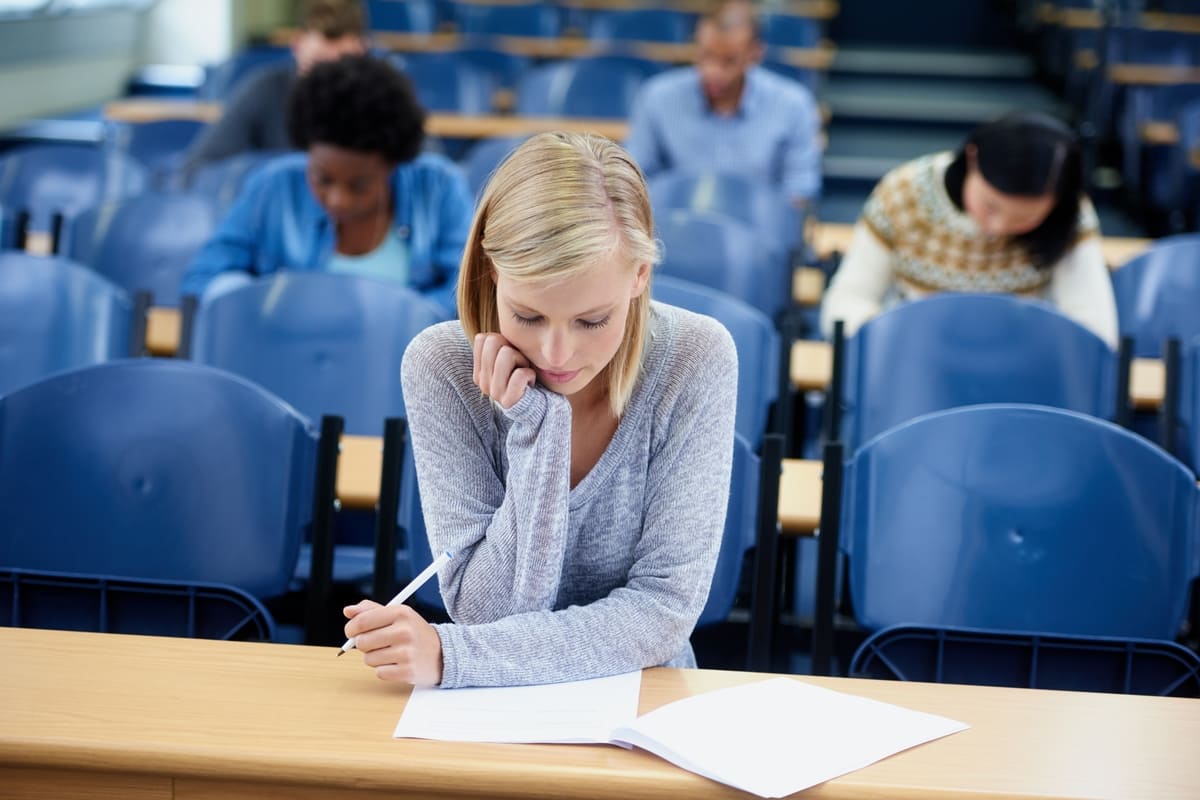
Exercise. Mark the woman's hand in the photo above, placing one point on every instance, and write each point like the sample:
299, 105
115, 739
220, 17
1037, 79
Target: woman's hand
396, 641
502, 372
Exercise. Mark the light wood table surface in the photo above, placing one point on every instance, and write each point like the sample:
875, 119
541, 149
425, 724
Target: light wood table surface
107, 716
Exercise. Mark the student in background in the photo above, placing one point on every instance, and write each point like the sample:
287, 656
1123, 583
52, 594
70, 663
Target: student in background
1006, 213
362, 199
573, 440
727, 114
255, 117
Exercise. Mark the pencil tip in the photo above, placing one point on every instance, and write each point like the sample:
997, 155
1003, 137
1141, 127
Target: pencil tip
341, 653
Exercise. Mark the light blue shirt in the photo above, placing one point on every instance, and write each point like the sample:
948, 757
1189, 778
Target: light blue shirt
387, 262
774, 136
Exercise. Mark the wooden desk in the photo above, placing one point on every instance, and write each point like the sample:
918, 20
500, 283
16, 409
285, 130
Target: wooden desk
106, 716
1152, 74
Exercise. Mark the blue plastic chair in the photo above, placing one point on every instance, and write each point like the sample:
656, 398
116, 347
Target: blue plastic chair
1145, 167
789, 30
741, 533
409, 16
328, 344
763, 208
144, 243
485, 156
508, 19
51, 183
1158, 294
222, 180
1019, 518
158, 146
757, 344
57, 315
505, 69
153, 469
446, 82
1183, 421
999, 658
596, 86
115, 604
723, 254
955, 350
225, 77
641, 25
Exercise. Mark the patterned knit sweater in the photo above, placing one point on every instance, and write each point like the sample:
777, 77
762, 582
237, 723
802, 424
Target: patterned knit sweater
912, 240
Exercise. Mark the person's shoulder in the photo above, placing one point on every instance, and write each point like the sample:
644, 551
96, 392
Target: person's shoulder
441, 340
271, 80
441, 351
781, 88
1088, 223
689, 338
432, 167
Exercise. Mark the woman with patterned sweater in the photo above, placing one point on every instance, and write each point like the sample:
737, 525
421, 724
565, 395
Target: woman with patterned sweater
1006, 213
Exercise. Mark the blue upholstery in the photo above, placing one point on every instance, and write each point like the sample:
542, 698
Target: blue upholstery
326, 343
63, 179
508, 19
56, 315
224, 78
446, 82
144, 243
724, 254
155, 469
641, 25
485, 156
409, 16
115, 604
757, 344
763, 208
1020, 518
1002, 658
1158, 294
596, 86
963, 349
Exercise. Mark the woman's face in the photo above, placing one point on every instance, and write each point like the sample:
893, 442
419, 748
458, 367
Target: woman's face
570, 329
999, 214
351, 186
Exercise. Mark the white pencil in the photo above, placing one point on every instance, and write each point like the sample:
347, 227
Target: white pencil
409, 590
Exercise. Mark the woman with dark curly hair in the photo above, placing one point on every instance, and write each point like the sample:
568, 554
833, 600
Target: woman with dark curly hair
363, 198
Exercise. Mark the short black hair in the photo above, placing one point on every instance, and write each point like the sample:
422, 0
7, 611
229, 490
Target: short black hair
334, 19
1029, 154
358, 103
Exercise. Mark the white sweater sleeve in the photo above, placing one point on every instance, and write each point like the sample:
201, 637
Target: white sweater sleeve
860, 284
1081, 288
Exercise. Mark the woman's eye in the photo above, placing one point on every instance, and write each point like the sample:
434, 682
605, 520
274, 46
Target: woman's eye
594, 324
530, 321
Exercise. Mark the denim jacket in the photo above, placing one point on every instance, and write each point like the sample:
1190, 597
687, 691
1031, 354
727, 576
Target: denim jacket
276, 223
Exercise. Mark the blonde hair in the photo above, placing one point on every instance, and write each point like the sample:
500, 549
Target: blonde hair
554, 207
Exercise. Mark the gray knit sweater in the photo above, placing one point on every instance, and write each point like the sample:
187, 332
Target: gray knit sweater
550, 583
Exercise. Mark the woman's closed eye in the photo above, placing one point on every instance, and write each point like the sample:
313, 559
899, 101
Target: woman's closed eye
589, 324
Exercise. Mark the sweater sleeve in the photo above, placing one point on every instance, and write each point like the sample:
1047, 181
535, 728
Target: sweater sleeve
1081, 288
501, 596
235, 244
861, 283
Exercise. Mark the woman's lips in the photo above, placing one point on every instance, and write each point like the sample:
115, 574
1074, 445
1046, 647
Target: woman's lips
550, 376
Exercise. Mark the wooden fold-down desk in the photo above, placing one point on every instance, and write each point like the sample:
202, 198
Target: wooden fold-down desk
106, 716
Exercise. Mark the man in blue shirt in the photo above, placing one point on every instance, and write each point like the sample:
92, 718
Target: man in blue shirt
727, 114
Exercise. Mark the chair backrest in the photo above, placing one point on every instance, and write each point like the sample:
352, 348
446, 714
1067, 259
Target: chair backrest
1020, 518
1003, 658
964, 349
144, 243
326, 343
222, 180
57, 315
722, 253
595, 86
757, 344
504, 68
225, 77
741, 520
485, 156
159, 145
763, 208
115, 604
641, 25
63, 179
508, 19
789, 30
446, 82
1186, 439
1158, 294
155, 469
409, 16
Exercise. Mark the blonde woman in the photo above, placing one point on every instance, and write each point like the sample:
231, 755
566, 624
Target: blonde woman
572, 440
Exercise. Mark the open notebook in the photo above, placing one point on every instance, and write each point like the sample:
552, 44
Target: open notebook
771, 737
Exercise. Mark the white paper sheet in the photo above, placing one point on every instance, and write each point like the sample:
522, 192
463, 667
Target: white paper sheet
779, 736
579, 712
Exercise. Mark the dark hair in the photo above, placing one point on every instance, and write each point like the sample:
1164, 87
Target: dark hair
1029, 154
357, 103
334, 19
729, 15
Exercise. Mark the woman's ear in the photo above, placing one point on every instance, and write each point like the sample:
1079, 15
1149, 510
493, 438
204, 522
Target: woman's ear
640, 281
